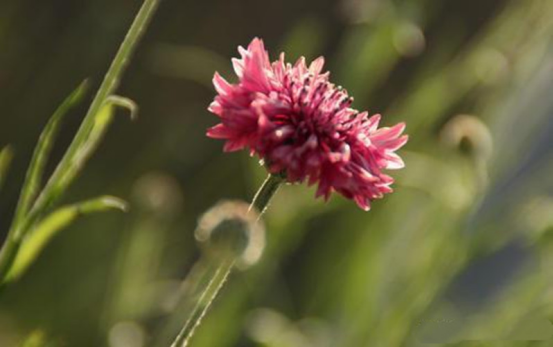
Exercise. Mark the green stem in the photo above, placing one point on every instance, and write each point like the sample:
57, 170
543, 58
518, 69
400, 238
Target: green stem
204, 302
260, 202
7, 257
266, 192
106, 89
6, 156
108, 86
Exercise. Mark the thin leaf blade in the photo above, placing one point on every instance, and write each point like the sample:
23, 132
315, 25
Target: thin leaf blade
33, 178
51, 225
74, 161
6, 156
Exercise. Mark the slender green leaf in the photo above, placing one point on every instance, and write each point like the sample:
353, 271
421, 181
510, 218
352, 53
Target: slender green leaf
71, 166
33, 179
6, 155
115, 71
76, 163
50, 226
84, 141
125, 103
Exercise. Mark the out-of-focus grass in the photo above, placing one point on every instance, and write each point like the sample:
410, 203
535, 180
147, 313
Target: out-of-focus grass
460, 249
6, 156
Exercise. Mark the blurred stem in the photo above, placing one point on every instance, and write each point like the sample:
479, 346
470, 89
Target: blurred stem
6, 156
204, 302
7, 258
209, 293
266, 192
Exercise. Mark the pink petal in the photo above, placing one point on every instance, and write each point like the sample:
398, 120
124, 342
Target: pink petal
317, 65
234, 145
373, 122
383, 135
238, 65
216, 108
362, 202
394, 162
221, 85
220, 131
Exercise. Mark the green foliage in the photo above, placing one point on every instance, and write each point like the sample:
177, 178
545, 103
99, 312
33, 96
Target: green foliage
37, 238
6, 156
31, 228
33, 179
73, 162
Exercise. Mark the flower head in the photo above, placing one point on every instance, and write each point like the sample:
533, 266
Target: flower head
302, 125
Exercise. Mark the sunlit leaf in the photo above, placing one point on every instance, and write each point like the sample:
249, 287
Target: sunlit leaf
50, 226
36, 338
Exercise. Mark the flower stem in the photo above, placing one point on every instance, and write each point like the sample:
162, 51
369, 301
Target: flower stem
260, 202
204, 302
266, 192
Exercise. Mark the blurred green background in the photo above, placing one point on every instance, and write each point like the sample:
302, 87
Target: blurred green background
460, 254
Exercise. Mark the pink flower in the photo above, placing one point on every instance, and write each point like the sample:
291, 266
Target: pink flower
302, 125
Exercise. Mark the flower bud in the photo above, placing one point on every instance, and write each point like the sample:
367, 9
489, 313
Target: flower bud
230, 230
470, 134
158, 193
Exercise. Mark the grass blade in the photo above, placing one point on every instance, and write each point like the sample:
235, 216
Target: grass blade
33, 178
51, 225
76, 162
6, 155
83, 144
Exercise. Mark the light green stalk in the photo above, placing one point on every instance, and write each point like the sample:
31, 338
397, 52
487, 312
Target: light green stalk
260, 202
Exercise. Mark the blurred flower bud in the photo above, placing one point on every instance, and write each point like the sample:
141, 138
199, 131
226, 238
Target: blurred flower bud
229, 230
271, 328
470, 134
536, 216
127, 334
409, 39
158, 193
363, 11
490, 66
